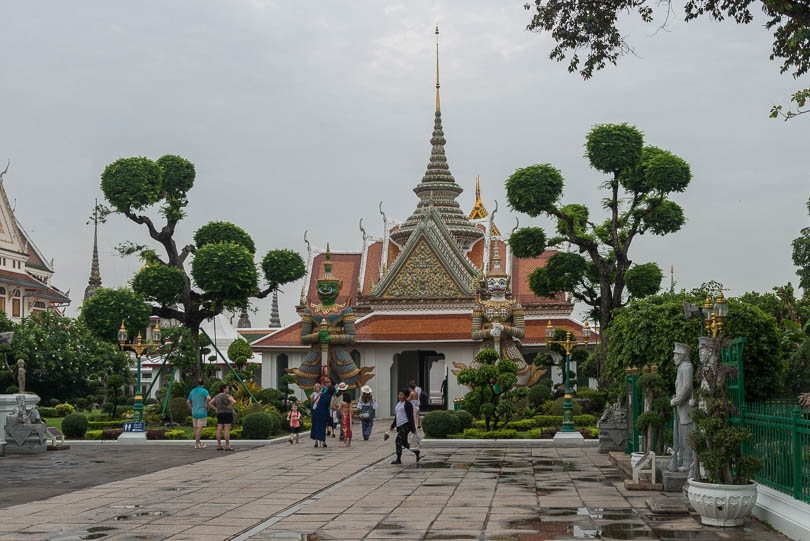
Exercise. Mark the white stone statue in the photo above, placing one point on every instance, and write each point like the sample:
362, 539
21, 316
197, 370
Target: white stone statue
682, 455
23, 415
21, 375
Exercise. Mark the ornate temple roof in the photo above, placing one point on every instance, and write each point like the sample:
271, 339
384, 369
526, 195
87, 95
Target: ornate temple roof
94, 282
438, 188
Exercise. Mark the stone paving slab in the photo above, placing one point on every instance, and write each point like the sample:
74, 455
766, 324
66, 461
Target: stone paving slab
298, 492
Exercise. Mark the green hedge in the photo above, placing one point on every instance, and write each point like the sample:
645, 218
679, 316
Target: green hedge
175, 434
465, 418
74, 425
47, 412
93, 434
525, 424
210, 433
257, 426
103, 425
440, 423
500, 434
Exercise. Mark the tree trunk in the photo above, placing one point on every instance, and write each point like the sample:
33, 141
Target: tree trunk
195, 333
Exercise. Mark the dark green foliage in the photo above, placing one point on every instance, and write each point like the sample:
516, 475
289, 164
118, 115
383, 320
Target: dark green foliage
643, 280
593, 401
54, 402
563, 272
61, 354
534, 189
239, 352
465, 418
281, 267
522, 425
131, 183
270, 396
177, 177
178, 409
6, 378
528, 242
48, 412
801, 256
74, 425
664, 172
484, 400
226, 273
540, 392
113, 384
11, 389
107, 408
612, 148
216, 232
81, 404
797, 371
557, 407
257, 426
663, 218
440, 423
276, 421
107, 308
646, 329
159, 283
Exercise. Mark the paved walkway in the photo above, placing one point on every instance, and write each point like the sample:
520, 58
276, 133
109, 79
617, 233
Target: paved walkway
297, 492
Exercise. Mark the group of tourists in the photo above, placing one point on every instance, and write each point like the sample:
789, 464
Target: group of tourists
332, 411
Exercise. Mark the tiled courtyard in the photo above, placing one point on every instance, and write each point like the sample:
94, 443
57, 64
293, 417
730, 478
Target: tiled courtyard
298, 492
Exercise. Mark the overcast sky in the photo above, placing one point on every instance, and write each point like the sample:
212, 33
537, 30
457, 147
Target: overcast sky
305, 115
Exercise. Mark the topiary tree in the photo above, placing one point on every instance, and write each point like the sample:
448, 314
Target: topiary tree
600, 273
104, 312
114, 385
223, 272
257, 426
491, 381
239, 352
465, 418
286, 390
74, 425
540, 392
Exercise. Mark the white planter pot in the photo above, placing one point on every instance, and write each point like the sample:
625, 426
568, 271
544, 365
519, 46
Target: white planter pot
722, 505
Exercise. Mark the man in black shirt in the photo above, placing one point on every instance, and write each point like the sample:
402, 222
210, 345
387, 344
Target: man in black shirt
404, 425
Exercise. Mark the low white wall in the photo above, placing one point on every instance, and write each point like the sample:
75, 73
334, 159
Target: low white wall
783, 512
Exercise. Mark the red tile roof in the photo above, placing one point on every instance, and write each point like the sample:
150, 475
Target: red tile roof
286, 337
373, 258
521, 270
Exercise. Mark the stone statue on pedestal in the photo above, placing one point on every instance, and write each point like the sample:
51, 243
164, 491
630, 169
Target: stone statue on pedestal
24, 430
21, 375
682, 454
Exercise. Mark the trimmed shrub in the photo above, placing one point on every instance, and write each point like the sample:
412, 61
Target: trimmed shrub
465, 418
269, 396
500, 434
74, 425
178, 409
48, 412
111, 434
440, 423
93, 435
276, 419
257, 426
12, 389
53, 402
210, 433
548, 420
82, 403
175, 434
585, 420
539, 393
522, 425
6, 378
156, 434
107, 408
593, 400
102, 425
557, 407
63, 410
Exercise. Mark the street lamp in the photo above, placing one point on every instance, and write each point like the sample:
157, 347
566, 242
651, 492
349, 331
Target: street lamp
714, 314
139, 347
568, 345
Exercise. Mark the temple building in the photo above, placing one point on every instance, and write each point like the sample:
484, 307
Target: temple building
413, 289
25, 273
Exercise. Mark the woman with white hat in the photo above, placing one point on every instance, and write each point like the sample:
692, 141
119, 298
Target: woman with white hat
367, 404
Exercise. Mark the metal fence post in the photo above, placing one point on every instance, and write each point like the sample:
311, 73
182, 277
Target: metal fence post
797, 452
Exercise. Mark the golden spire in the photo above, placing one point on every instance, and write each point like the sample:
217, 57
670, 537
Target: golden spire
438, 108
479, 211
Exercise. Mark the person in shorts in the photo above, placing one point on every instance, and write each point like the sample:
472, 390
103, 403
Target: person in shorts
294, 418
197, 403
224, 403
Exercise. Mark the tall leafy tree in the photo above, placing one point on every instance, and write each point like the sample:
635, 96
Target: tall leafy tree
104, 312
801, 256
591, 28
223, 273
61, 354
640, 180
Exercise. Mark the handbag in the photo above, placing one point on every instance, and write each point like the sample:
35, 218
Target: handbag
365, 415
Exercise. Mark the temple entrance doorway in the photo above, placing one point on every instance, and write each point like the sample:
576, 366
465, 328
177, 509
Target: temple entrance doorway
425, 367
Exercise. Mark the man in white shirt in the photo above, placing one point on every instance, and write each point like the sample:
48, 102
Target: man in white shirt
404, 425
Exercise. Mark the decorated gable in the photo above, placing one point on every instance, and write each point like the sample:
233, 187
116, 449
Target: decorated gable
422, 275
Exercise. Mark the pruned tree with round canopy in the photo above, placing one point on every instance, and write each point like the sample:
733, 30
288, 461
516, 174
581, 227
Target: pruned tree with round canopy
640, 181
223, 274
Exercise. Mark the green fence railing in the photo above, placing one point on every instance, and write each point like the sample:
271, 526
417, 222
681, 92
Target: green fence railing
781, 440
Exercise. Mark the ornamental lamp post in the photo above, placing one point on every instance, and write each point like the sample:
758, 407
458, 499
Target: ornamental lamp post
139, 347
714, 314
568, 345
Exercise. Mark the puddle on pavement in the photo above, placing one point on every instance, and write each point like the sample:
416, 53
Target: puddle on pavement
449, 536
96, 532
621, 530
388, 526
581, 530
554, 465
134, 506
141, 514
683, 535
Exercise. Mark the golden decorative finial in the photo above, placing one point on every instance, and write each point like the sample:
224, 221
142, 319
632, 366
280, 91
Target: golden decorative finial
438, 107
477, 188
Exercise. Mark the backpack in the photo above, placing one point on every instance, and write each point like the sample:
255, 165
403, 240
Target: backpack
423, 401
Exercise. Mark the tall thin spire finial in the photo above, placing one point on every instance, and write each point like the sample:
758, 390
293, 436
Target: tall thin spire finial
438, 107
477, 188
94, 282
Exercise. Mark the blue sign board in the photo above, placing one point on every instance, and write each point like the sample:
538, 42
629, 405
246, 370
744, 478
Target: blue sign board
134, 426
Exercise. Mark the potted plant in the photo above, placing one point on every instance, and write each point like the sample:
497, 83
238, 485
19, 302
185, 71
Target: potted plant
721, 491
